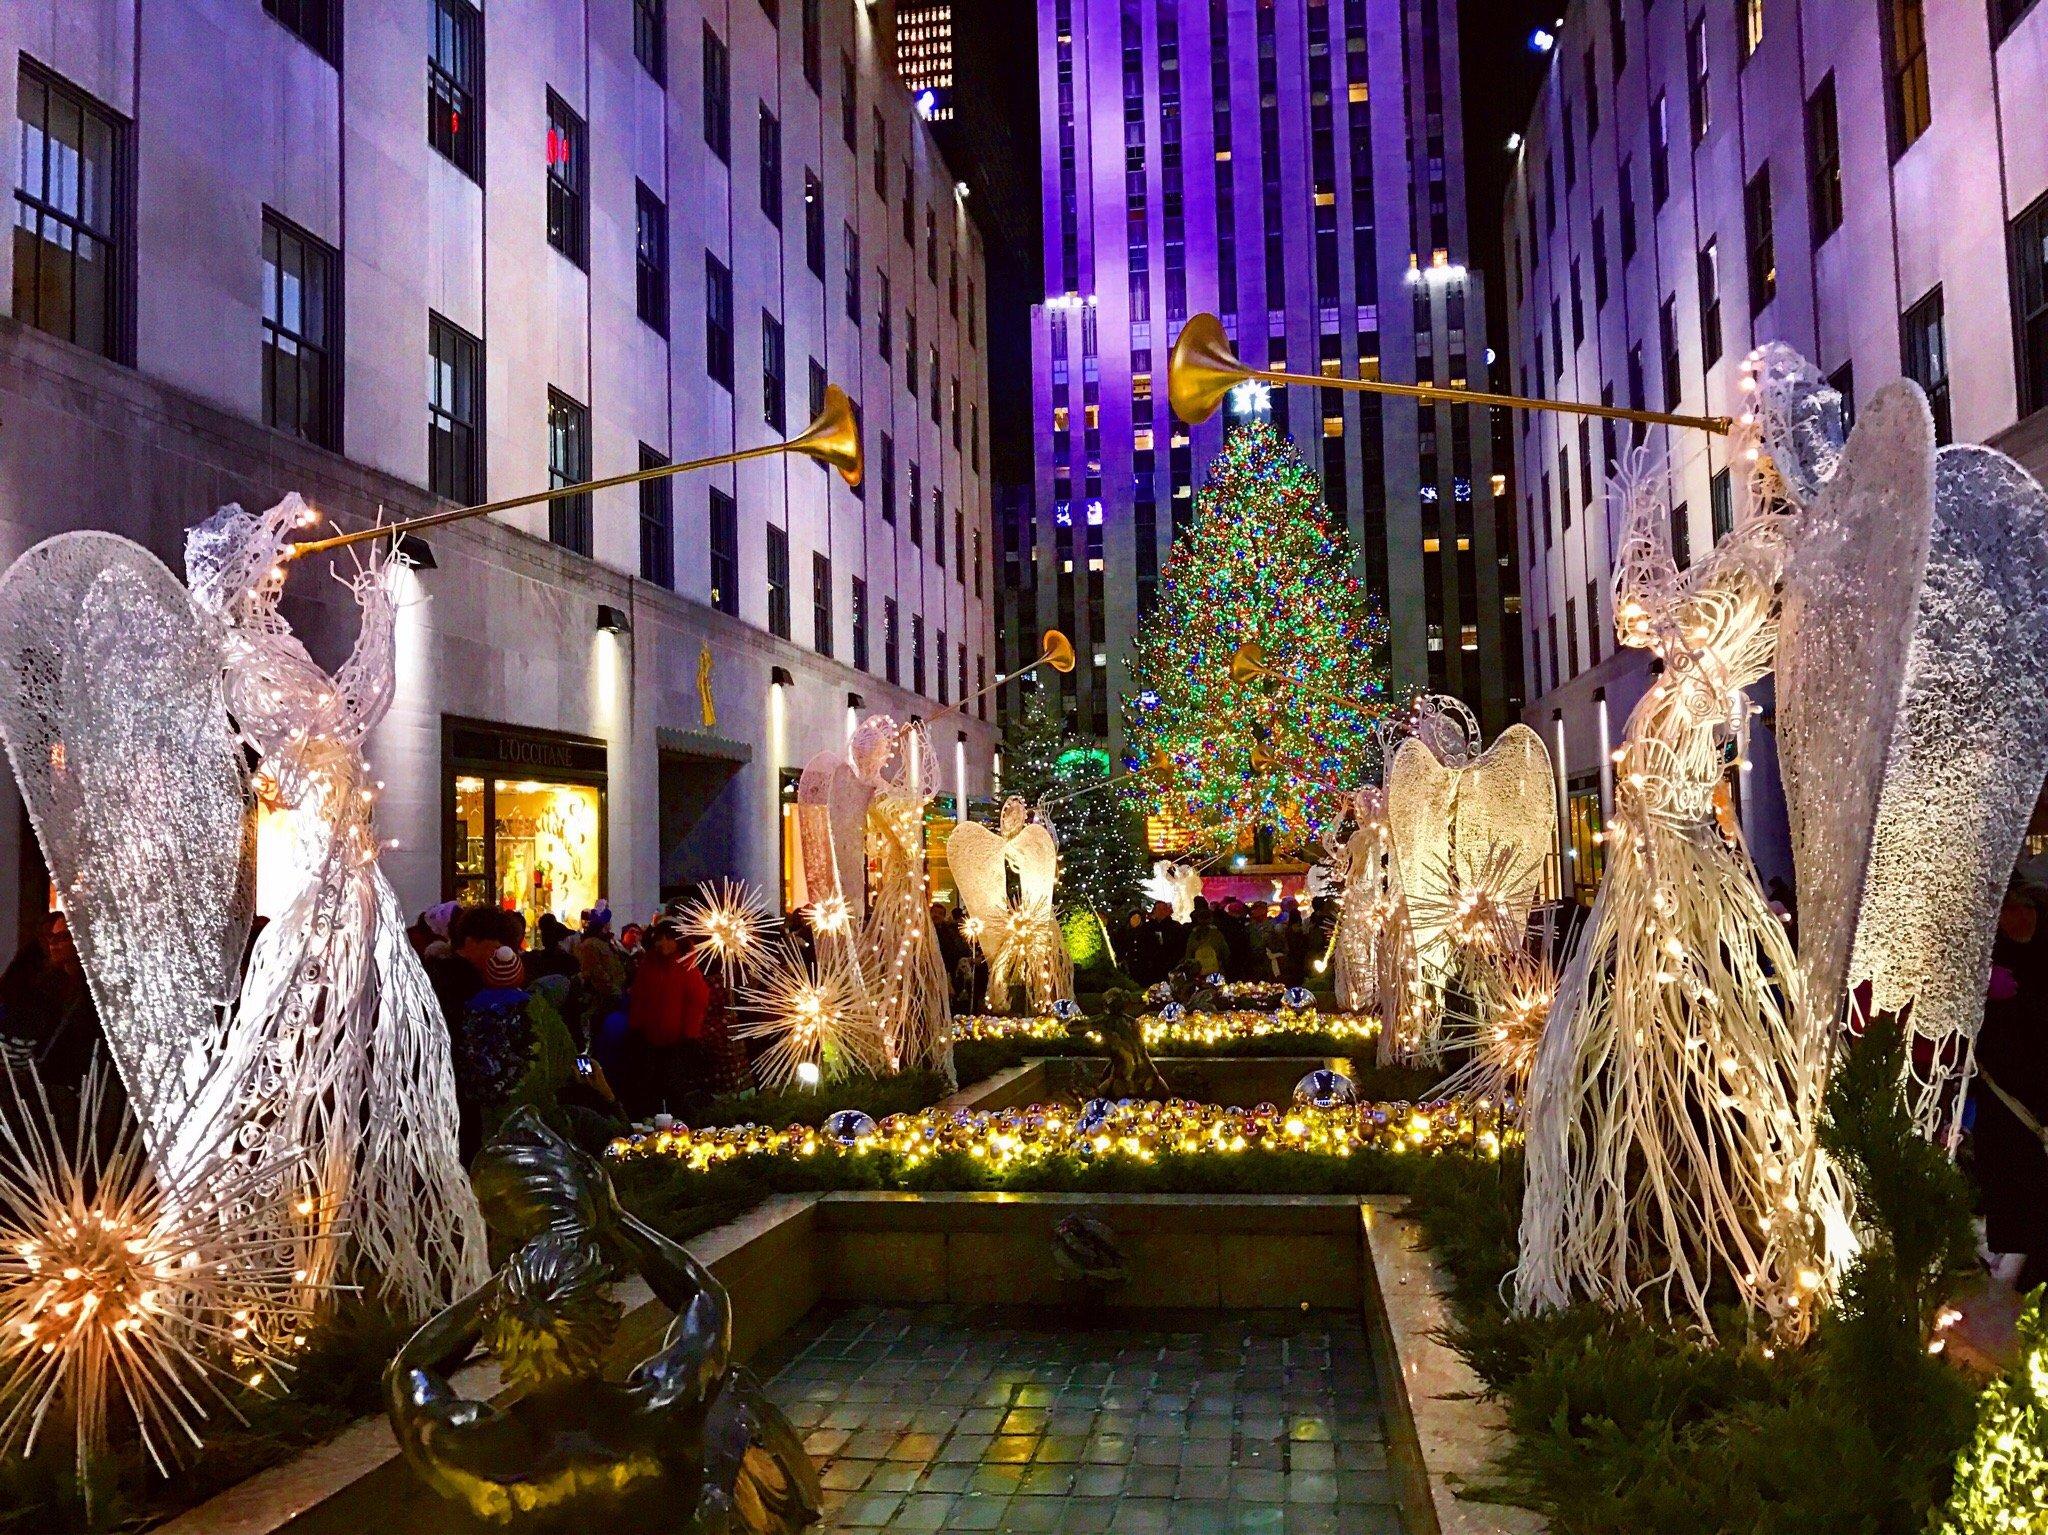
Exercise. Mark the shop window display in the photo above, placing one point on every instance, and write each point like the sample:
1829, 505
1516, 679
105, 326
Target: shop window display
528, 845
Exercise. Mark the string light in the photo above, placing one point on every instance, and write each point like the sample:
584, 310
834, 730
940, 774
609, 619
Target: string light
1237, 1026
1012, 1140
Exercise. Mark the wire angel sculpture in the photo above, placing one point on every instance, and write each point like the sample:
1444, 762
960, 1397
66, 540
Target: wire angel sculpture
1463, 825
1362, 861
861, 816
115, 698
1672, 1137
338, 1036
1022, 940
1177, 885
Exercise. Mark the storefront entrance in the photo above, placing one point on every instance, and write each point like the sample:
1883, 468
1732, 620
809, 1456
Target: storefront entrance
524, 813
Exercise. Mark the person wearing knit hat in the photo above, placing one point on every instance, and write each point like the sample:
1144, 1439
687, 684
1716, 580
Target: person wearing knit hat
502, 970
492, 1046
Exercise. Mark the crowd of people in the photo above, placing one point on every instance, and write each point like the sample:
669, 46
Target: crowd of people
1263, 941
634, 999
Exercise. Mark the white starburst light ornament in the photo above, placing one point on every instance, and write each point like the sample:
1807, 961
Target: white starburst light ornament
121, 1295
732, 919
815, 1015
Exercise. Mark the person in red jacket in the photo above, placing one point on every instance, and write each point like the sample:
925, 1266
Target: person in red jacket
665, 1026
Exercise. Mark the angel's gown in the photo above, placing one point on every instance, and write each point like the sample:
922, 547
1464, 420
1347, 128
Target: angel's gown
341, 1051
1676, 1092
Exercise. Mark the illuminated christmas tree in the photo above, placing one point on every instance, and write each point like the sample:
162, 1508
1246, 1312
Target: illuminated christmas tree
1261, 563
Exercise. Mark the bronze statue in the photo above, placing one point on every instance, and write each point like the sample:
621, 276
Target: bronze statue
1130, 1073
684, 1443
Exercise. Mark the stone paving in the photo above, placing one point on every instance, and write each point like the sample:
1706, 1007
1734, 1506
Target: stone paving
1166, 1423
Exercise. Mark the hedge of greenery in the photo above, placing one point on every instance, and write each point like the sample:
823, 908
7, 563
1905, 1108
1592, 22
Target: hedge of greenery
1625, 1427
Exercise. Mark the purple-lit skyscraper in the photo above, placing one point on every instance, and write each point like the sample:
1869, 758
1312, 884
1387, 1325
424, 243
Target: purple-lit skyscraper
1295, 166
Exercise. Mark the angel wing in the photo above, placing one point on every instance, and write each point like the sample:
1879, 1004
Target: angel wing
1422, 798
832, 812
1969, 749
1853, 572
1035, 853
1507, 814
975, 855
110, 702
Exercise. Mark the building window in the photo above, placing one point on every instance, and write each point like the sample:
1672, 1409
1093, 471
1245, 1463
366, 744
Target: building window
1750, 26
455, 383
821, 604
917, 652
888, 479
1710, 303
568, 464
778, 581
813, 43
455, 83
774, 389
717, 95
1681, 536
880, 154
1925, 333
1824, 159
71, 239
650, 38
1660, 150
860, 623
910, 351
814, 225
885, 334
771, 166
849, 101
892, 666
2006, 14
1763, 249
316, 23
2030, 304
850, 263
1843, 382
725, 552
493, 857
568, 211
300, 327
657, 523
650, 256
1909, 107
916, 505
1667, 341
939, 666
1721, 502
717, 320
1699, 93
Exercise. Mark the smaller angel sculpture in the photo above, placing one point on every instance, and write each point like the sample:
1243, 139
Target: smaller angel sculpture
1469, 830
1021, 938
686, 1441
1177, 884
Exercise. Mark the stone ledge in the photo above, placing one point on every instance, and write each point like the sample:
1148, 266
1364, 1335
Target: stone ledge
1451, 1426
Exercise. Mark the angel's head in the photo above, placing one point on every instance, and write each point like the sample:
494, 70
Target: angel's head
872, 747
1015, 813
235, 556
1794, 420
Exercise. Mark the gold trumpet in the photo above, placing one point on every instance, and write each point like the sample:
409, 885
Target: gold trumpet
1203, 369
834, 438
1248, 663
1056, 651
